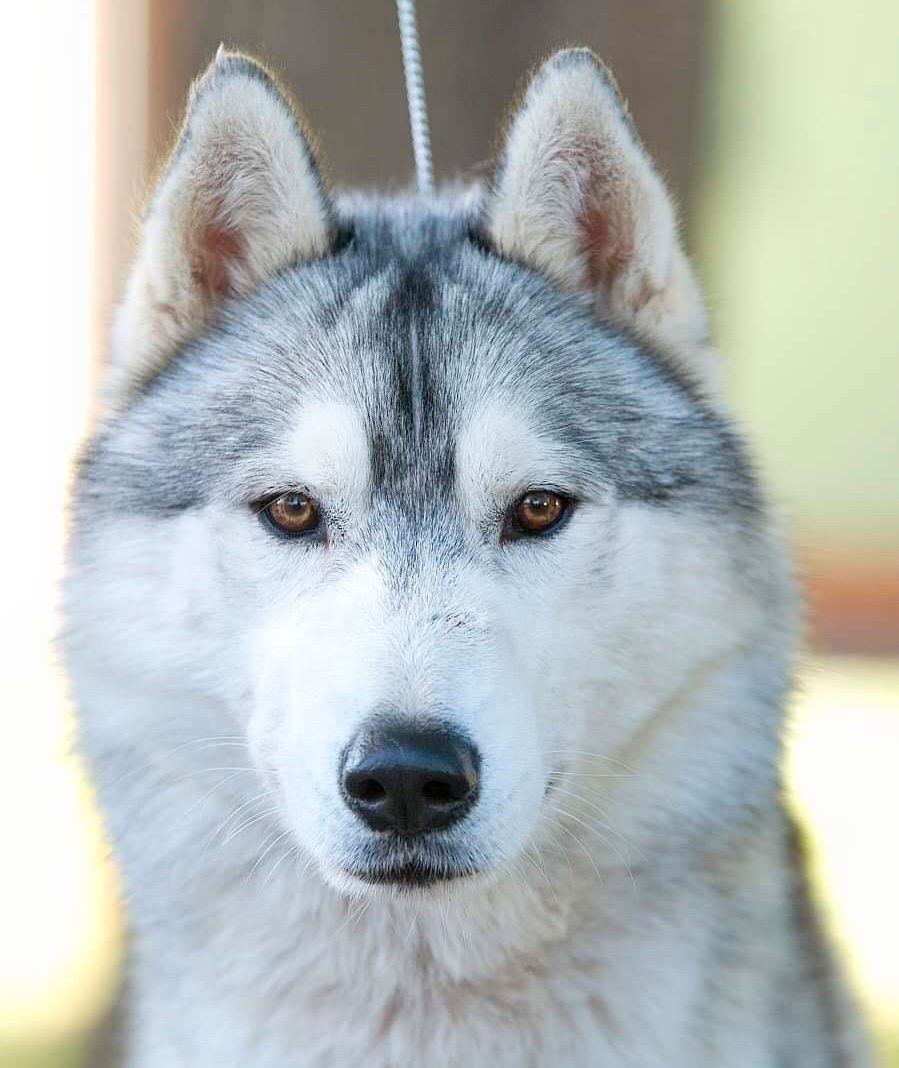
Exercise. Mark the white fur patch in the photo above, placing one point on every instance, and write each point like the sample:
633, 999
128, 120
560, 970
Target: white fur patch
329, 450
501, 453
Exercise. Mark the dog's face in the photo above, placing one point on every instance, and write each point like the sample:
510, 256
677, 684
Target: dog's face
417, 524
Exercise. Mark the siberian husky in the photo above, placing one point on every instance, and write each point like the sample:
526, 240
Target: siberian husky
428, 625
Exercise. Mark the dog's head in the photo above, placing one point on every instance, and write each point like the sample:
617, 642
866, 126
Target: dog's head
426, 501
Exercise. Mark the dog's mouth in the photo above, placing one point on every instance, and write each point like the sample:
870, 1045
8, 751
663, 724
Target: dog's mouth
395, 861
416, 873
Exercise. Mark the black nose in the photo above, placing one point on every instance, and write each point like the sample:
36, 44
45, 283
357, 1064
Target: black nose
407, 780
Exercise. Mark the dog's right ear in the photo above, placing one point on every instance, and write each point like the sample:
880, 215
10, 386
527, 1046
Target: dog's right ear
240, 201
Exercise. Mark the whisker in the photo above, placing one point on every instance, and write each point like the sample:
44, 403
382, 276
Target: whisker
606, 819
593, 756
598, 774
210, 743
207, 771
355, 909
442, 908
255, 799
220, 827
413, 923
541, 869
207, 794
366, 904
146, 761
269, 813
602, 838
559, 846
292, 852
583, 848
265, 853
511, 868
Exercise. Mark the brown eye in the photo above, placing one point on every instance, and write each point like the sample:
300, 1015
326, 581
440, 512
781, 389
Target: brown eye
537, 512
293, 513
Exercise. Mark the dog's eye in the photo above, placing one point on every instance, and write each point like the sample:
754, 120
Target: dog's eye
537, 512
293, 513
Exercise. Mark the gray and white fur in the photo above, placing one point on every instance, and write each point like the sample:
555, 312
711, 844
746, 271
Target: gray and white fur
625, 887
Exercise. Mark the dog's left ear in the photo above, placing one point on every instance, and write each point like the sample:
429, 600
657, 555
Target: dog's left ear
577, 198
240, 201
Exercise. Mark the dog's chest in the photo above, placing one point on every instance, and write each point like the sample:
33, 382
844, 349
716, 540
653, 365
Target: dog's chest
321, 1025
323, 996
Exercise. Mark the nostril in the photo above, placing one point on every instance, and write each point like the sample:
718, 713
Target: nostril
369, 790
440, 793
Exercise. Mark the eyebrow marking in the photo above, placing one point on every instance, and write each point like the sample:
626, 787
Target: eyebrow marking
328, 449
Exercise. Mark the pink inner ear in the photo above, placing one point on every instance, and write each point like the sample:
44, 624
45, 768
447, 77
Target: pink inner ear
608, 245
606, 231
607, 240
218, 251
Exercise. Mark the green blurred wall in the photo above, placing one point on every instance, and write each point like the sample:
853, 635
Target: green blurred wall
798, 234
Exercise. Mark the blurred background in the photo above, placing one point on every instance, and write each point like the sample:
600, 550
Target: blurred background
775, 123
